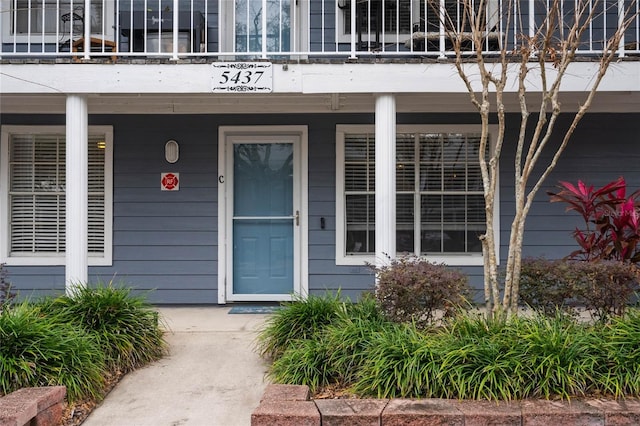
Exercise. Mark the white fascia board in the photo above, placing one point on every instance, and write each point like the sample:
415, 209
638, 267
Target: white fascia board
444, 78
294, 78
125, 79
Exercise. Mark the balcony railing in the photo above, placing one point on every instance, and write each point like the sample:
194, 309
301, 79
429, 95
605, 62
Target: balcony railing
289, 29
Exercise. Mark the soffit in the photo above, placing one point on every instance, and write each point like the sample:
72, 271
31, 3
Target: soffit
616, 102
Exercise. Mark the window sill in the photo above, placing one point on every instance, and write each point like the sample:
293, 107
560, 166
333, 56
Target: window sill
450, 260
50, 261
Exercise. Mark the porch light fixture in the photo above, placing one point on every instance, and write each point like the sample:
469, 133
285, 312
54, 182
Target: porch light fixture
171, 151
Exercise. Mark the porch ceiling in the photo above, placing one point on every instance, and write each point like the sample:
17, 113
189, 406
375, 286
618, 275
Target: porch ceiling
618, 102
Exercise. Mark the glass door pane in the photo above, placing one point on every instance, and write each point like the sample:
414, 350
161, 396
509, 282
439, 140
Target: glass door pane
249, 23
263, 218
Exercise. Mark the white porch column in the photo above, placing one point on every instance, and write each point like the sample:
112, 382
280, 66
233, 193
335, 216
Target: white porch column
77, 151
385, 177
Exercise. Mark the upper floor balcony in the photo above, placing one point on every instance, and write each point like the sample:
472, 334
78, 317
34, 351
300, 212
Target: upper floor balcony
220, 30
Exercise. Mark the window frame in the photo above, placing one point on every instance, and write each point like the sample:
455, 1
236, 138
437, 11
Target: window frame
10, 36
227, 33
54, 259
388, 37
456, 259
342, 36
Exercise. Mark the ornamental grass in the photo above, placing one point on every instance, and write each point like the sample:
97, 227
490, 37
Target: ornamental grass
126, 326
465, 357
39, 349
80, 341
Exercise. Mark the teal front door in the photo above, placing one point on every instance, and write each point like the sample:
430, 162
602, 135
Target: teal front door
264, 217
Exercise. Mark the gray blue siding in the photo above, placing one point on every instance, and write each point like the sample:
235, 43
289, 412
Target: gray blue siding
166, 242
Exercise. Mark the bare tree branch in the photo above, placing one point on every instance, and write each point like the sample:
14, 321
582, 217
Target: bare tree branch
549, 48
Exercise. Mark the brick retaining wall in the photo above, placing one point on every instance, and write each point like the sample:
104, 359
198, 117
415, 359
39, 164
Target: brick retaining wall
39, 406
290, 405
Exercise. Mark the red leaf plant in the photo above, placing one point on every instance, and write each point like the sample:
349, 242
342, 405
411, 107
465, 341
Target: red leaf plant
612, 220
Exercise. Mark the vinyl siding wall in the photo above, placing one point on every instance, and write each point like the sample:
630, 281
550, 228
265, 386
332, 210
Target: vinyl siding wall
167, 241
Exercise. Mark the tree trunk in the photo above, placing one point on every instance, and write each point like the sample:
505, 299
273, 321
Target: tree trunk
552, 47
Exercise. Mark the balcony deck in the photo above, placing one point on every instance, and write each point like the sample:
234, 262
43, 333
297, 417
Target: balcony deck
144, 56
191, 31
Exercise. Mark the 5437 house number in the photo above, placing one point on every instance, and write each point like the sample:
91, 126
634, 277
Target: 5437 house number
238, 77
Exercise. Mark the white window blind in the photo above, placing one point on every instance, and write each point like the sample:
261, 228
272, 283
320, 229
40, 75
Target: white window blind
359, 188
37, 194
439, 194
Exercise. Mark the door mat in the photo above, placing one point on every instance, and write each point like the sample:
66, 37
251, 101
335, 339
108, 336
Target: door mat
254, 309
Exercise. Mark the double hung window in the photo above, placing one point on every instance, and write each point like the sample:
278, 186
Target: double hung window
439, 194
33, 195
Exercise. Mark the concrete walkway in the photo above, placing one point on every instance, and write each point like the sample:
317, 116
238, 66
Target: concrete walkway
212, 375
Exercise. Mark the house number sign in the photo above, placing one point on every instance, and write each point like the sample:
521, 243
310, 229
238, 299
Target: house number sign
243, 77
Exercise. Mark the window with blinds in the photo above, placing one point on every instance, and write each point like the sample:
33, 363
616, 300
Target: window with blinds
48, 17
359, 190
405, 16
36, 193
439, 193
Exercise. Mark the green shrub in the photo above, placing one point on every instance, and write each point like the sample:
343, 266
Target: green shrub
298, 319
365, 309
304, 362
125, 326
40, 349
6, 295
557, 356
479, 359
348, 339
335, 352
412, 290
604, 288
620, 373
549, 286
401, 362
468, 357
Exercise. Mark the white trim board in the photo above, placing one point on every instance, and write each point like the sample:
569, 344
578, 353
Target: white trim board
463, 259
57, 259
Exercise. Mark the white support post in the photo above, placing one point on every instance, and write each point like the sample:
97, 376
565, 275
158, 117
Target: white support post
532, 18
264, 28
87, 30
385, 177
442, 18
621, 18
176, 26
77, 152
353, 30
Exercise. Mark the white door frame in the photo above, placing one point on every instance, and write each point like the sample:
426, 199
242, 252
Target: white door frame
225, 209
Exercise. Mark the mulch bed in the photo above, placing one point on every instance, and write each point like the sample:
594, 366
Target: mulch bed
76, 413
334, 391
